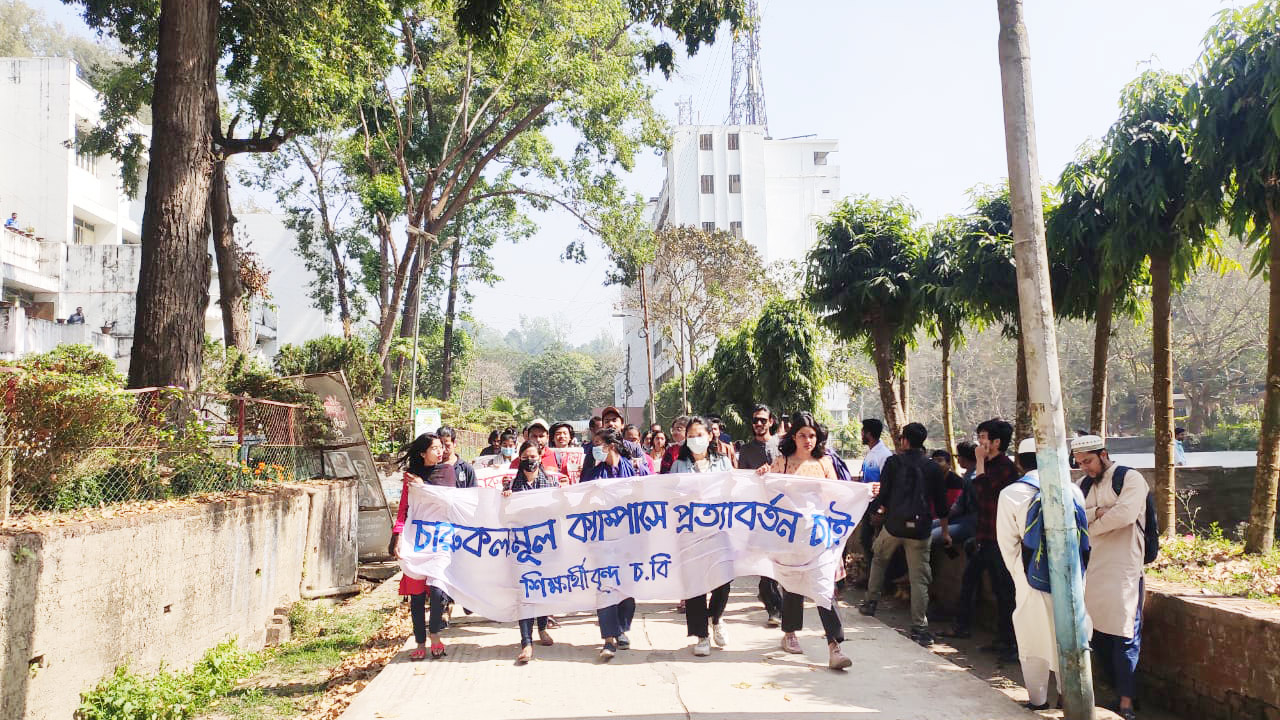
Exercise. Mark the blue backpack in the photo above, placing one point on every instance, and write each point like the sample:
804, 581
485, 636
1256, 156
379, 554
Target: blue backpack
1035, 552
842, 469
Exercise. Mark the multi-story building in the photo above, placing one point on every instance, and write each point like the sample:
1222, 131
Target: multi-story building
770, 192
75, 243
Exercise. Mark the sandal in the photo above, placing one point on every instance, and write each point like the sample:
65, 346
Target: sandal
437, 651
418, 653
526, 654
544, 638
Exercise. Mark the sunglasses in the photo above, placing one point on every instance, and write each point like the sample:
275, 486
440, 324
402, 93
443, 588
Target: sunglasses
759, 421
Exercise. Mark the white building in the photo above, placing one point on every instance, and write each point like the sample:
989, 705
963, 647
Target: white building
772, 192
76, 240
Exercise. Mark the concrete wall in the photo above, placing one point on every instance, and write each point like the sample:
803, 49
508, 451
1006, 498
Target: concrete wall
160, 587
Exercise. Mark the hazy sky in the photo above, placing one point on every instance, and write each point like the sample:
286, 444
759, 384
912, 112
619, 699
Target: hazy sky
911, 89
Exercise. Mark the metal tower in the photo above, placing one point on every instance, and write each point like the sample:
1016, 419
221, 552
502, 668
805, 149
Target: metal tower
746, 93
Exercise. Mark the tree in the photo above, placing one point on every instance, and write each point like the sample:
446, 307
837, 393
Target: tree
861, 283
563, 384
1236, 144
331, 354
732, 374
786, 350
1088, 282
702, 284
25, 32
944, 309
1148, 191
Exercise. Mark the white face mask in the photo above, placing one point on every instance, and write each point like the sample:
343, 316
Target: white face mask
698, 445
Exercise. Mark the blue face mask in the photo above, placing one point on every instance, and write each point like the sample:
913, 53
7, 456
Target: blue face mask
508, 452
599, 453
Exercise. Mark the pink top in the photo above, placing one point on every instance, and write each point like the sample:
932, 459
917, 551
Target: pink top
402, 510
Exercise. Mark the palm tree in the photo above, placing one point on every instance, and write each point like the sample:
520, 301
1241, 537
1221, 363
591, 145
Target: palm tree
1087, 283
1236, 144
860, 283
517, 408
1147, 191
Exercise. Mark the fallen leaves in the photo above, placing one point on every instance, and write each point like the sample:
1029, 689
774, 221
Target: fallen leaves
358, 670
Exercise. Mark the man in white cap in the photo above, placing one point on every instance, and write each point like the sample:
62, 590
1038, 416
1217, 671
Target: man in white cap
1115, 503
536, 432
1033, 613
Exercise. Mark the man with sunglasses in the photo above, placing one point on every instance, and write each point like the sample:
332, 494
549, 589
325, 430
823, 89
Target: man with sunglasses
760, 451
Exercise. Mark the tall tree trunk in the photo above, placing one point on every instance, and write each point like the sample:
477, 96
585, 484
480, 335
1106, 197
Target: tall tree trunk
1262, 511
1036, 324
904, 383
1162, 388
232, 294
1022, 411
948, 424
1101, 349
173, 282
883, 351
446, 364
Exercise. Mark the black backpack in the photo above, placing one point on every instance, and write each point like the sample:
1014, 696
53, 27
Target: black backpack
1150, 525
910, 513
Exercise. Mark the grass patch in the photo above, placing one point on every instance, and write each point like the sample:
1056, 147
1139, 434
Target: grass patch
295, 675
166, 695
1216, 563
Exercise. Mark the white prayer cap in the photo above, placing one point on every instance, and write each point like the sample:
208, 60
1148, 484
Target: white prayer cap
1028, 445
1087, 443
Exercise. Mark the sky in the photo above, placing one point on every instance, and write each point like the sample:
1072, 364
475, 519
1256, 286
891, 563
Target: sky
910, 88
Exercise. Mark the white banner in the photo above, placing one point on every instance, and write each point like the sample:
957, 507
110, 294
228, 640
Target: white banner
656, 537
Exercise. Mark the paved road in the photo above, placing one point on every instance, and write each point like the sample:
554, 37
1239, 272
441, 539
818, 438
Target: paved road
659, 679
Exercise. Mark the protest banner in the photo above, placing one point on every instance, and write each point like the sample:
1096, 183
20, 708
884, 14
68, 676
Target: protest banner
659, 537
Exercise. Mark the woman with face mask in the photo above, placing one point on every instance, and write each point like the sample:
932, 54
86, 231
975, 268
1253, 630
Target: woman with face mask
803, 451
611, 462
422, 459
701, 454
530, 476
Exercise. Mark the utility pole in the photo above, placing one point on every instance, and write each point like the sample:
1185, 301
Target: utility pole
1041, 360
648, 348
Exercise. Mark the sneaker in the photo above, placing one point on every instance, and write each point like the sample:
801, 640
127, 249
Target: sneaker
717, 634
837, 660
1032, 706
1127, 713
624, 642
608, 651
773, 621
702, 648
922, 636
791, 644
868, 607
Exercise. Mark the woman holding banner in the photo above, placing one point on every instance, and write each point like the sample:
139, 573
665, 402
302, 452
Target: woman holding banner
611, 462
531, 476
802, 451
422, 460
701, 454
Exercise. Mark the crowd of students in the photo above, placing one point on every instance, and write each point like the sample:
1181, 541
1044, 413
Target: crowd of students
988, 511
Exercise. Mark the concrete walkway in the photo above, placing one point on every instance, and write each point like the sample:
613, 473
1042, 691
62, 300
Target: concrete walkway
659, 678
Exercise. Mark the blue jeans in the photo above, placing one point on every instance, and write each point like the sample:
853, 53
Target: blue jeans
961, 529
526, 629
616, 619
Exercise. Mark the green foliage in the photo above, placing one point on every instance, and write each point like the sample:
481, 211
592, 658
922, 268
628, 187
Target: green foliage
1231, 436
564, 385
786, 357
670, 404
726, 384
518, 409
330, 354
169, 696
80, 360
861, 271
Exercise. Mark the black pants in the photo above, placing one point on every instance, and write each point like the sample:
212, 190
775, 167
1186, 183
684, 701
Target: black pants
526, 630
771, 595
418, 613
698, 610
987, 561
793, 617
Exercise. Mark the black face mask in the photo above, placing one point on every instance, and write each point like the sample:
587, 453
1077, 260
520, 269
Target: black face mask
529, 464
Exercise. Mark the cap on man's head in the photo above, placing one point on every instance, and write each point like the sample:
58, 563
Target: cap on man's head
534, 423
1088, 443
611, 410
1028, 445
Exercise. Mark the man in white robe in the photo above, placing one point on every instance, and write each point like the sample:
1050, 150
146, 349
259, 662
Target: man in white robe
1033, 611
1113, 583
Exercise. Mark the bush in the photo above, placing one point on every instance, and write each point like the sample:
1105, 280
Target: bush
169, 696
1235, 436
331, 354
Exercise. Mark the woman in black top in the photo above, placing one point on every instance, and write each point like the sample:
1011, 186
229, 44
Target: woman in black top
530, 476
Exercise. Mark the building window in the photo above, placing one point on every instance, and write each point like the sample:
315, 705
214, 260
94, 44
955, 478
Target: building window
85, 161
733, 141
735, 183
83, 233
820, 158
704, 141
708, 184
735, 227
709, 227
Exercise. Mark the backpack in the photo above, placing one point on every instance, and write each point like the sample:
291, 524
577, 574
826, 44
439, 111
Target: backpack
910, 513
1035, 553
1150, 525
842, 469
